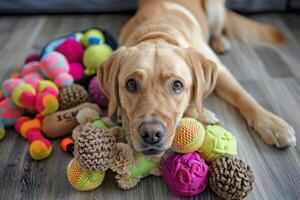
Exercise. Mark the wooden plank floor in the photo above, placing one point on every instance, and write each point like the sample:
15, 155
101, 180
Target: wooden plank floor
272, 77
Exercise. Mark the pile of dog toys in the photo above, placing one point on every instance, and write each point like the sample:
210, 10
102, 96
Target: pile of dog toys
57, 94
199, 156
41, 100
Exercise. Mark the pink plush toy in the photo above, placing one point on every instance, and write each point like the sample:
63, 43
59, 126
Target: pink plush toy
55, 66
32, 93
72, 50
76, 71
185, 174
96, 93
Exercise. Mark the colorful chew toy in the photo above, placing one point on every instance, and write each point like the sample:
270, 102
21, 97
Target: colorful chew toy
217, 142
92, 37
231, 178
189, 136
70, 97
96, 93
32, 57
55, 66
76, 71
71, 49
40, 147
9, 113
185, 174
67, 145
83, 179
94, 55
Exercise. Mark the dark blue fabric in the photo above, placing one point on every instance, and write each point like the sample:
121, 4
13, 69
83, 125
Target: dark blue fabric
98, 6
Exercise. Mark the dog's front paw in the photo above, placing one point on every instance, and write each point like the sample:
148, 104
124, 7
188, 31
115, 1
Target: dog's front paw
220, 44
208, 117
274, 130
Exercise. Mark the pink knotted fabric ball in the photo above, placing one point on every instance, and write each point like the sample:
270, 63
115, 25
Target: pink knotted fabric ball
186, 174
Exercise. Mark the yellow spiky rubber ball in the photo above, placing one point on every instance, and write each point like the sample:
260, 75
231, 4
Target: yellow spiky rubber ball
189, 136
217, 142
83, 179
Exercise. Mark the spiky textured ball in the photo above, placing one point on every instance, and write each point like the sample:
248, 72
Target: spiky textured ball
71, 49
82, 179
231, 178
94, 56
70, 97
92, 37
96, 93
185, 174
189, 136
217, 142
95, 148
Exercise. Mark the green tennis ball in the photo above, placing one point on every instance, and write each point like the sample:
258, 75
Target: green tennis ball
90, 35
94, 56
83, 179
217, 142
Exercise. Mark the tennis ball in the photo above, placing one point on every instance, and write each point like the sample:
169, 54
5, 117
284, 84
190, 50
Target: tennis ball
92, 37
217, 142
82, 179
189, 136
94, 56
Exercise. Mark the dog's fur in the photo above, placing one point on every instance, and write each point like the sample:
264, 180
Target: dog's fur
169, 40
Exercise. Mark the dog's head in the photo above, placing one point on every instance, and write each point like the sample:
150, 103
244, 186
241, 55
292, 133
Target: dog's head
153, 84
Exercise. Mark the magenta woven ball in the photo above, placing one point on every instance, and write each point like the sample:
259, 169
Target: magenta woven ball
186, 174
96, 93
71, 49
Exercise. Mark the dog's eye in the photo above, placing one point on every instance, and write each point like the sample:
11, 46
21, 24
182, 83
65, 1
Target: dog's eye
131, 85
177, 86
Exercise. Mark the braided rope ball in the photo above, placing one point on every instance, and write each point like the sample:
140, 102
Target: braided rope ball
70, 97
95, 148
231, 178
185, 174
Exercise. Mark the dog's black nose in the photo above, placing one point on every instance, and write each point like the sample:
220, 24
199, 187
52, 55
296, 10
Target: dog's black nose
151, 133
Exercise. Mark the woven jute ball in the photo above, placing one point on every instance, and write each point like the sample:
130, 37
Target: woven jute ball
231, 178
95, 148
70, 97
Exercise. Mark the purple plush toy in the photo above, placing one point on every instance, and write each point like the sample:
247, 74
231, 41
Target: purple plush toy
96, 93
186, 174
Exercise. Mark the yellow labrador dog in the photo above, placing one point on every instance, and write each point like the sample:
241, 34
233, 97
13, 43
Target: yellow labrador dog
166, 68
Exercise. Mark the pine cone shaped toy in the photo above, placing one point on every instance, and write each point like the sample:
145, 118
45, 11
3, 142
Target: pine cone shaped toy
95, 148
70, 97
231, 178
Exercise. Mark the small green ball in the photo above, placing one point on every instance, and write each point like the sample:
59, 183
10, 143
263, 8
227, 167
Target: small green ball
94, 56
92, 33
217, 142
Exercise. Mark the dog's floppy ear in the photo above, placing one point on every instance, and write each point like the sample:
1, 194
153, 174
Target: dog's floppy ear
108, 77
204, 77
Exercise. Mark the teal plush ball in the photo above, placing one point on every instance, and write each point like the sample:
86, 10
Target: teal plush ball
94, 56
92, 37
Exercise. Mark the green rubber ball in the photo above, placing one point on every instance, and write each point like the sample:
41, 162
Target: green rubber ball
92, 33
94, 56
